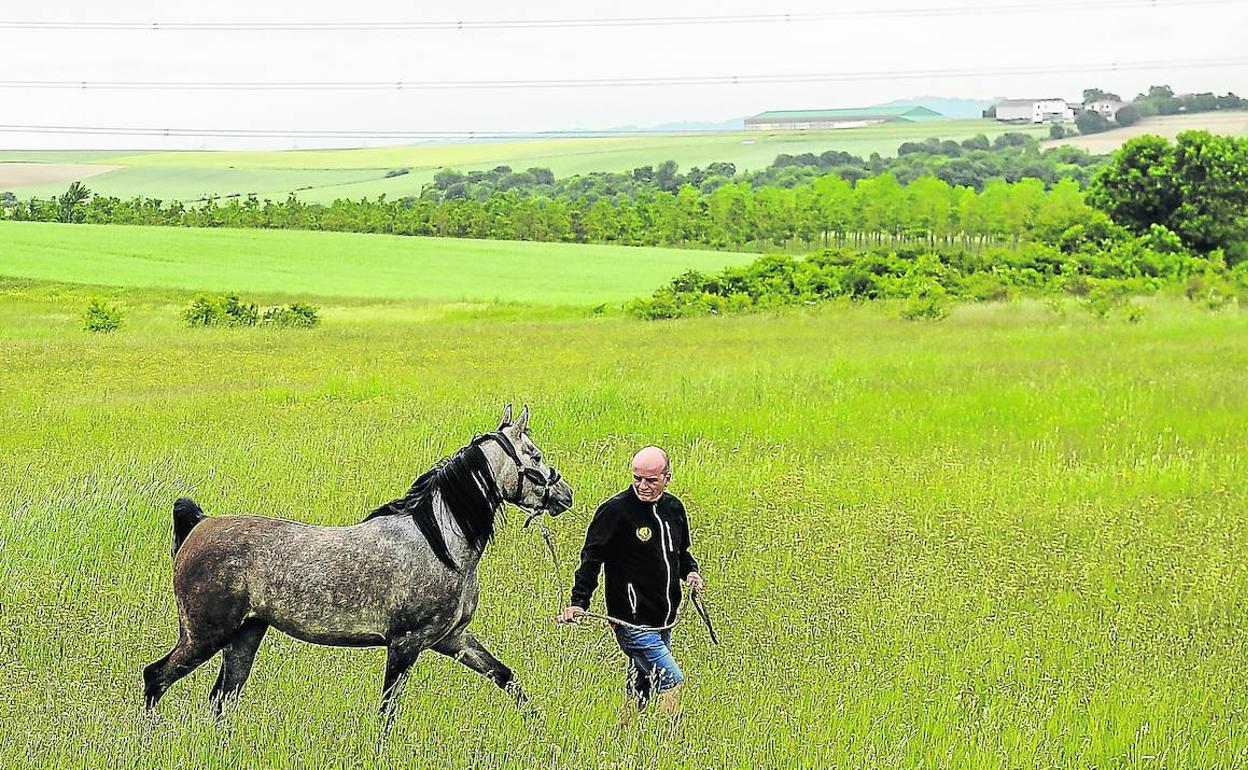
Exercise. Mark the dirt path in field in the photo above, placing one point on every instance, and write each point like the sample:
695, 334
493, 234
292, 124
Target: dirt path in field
1231, 122
23, 174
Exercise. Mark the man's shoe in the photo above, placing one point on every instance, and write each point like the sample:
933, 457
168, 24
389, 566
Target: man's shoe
667, 702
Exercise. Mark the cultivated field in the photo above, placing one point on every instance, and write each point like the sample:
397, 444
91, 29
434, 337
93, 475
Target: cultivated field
344, 264
18, 175
325, 175
1230, 123
1011, 539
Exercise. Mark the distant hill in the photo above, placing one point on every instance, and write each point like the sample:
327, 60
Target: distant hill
950, 107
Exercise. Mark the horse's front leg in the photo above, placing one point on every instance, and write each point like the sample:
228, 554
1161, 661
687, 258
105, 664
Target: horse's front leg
465, 648
399, 660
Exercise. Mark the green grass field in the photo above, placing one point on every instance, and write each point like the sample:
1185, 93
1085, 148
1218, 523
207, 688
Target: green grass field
343, 264
1011, 539
190, 175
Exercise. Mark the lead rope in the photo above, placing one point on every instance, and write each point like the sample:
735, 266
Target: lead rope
550, 546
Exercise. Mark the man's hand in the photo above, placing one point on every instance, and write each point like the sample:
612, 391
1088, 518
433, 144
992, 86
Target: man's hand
696, 584
572, 614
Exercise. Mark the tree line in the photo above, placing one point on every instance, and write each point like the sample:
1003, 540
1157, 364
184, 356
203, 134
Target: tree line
825, 211
971, 162
1196, 188
1164, 215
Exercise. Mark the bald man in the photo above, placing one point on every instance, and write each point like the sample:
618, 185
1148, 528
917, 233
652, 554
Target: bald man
640, 538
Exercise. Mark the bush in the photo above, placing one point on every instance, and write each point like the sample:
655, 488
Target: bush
1134, 313
985, 287
101, 317
922, 307
295, 315
1104, 299
1127, 115
1091, 122
1057, 131
204, 311
223, 310
1097, 261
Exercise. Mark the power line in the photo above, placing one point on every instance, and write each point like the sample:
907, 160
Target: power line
649, 82
465, 25
349, 133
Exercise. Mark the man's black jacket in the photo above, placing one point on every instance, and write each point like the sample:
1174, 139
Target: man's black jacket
644, 548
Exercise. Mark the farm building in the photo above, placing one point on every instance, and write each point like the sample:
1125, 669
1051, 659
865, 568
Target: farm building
1035, 110
1107, 107
805, 120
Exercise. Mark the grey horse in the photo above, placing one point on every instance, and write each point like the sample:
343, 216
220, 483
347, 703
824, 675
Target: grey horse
405, 578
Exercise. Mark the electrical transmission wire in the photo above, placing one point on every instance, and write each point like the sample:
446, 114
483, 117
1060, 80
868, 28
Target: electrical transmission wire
465, 25
648, 82
349, 133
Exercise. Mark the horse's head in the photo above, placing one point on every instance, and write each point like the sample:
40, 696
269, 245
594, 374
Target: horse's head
529, 482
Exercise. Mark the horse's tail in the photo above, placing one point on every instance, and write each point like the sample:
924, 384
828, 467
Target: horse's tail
186, 514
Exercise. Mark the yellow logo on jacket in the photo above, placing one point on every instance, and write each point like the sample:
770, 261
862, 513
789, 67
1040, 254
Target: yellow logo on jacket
643, 534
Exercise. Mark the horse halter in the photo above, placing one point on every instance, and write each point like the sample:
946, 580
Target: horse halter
522, 472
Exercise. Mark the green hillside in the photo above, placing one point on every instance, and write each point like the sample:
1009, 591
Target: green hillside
362, 172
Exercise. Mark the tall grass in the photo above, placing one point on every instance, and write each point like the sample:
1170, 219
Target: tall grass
1006, 540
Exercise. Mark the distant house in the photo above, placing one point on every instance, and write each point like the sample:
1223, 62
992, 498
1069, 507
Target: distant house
1035, 111
1107, 107
807, 120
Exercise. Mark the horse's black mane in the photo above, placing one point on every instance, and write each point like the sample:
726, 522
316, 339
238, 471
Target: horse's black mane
468, 491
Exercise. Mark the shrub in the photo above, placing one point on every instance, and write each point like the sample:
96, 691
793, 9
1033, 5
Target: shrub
1134, 313
296, 315
1127, 115
1104, 299
927, 303
985, 287
224, 310
1057, 131
1077, 284
101, 317
1091, 122
203, 311
239, 313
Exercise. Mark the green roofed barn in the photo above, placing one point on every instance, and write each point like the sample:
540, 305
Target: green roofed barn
805, 120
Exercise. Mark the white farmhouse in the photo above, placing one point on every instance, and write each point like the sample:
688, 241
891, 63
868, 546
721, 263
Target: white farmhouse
1035, 110
1107, 107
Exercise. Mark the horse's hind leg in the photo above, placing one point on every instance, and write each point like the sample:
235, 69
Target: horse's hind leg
186, 656
465, 648
236, 660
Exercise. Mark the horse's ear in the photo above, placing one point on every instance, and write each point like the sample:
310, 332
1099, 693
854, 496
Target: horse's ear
522, 424
506, 421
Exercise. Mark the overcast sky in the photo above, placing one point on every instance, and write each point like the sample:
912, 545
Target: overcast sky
982, 41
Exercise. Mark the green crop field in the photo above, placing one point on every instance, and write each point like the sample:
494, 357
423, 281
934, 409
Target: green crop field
1014, 538
361, 173
343, 264
174, 183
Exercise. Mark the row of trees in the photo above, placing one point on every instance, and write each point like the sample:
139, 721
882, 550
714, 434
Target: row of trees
1179, 215
1196, 189
826, 210
1159, 100
971, 162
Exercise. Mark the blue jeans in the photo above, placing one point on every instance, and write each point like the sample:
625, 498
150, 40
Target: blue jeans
651, 667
